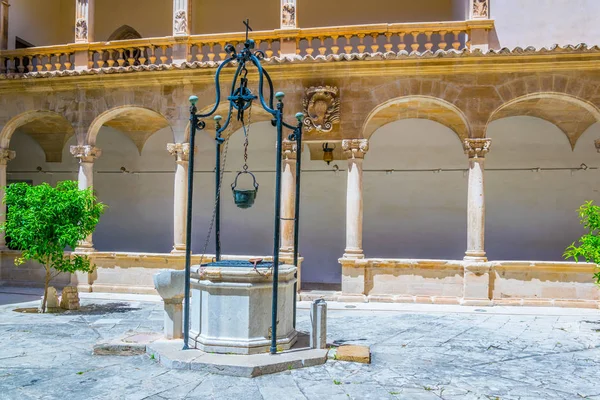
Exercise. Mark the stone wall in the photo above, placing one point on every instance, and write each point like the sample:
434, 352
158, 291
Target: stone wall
459, 282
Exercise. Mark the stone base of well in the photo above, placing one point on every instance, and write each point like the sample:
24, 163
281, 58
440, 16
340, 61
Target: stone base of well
169, 353
231, 309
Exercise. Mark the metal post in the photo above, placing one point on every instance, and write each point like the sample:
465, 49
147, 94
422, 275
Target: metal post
188, 232
298, 135
218, 141
276, 231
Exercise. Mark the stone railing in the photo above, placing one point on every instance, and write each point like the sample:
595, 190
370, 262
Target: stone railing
522, 283
125, 53
400, 37
37, 59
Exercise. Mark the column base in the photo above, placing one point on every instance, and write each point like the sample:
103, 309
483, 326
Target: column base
354, 253
84, 248
475, 256
178, 249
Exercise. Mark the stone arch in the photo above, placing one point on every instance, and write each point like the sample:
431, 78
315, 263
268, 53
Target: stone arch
570, 114
138, 123
124, 32
417, 107
49, 129
258, 115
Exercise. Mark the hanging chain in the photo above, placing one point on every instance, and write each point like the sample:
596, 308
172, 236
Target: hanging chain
246, 132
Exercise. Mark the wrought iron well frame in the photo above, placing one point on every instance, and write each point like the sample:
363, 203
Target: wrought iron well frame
240, 99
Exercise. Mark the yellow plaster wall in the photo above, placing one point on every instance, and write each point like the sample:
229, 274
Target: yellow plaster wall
212, 16
41, 22
151, 18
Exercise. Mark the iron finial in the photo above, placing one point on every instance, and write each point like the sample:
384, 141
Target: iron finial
279, 96
299, 116
248, 28
193, 100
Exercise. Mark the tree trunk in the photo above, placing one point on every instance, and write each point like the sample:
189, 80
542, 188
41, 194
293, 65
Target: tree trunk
46, 284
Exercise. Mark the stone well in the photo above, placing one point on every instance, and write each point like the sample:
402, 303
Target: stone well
231, 308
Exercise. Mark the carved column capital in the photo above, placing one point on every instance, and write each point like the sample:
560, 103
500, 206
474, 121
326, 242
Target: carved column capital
86, 154
355, 148
289, 150
477, 148
6, 156
181, 151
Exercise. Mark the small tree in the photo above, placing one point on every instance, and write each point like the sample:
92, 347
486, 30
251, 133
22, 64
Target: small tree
589, 243
43, 221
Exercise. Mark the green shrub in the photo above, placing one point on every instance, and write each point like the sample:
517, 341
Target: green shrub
588, 245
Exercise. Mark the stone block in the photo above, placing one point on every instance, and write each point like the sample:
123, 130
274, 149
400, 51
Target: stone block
360, 354
170, 286
52, 303
70, 298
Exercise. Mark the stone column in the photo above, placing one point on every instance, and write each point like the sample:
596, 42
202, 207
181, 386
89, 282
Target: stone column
479, 9
288, 18
84, 30
5, 156
4, 24
355, 149
288, 197
182, 27
181, 152
182, 21
479, 38
86, 155
289, 15
84, 21
476, 149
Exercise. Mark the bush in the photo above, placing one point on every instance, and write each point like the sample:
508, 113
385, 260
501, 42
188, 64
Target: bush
588, 246
42, 221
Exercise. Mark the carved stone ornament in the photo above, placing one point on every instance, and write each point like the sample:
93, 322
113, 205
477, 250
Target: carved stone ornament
81, 29
181, 151
477, 148
86, 154
480, 9
180, 23
322, 108
288, 14
289, 149
6, 156
355, 148
597, 144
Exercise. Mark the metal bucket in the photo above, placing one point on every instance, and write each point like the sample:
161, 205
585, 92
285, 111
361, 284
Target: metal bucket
244, 198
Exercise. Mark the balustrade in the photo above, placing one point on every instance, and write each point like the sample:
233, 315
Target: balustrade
36, 59
377, 38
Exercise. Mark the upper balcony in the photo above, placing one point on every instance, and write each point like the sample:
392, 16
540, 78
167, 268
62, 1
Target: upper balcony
46, 36
67, 35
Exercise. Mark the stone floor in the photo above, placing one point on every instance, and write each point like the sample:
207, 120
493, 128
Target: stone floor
419, 352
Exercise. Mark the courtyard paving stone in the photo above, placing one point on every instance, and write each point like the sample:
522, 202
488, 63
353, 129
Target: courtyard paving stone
434, 352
